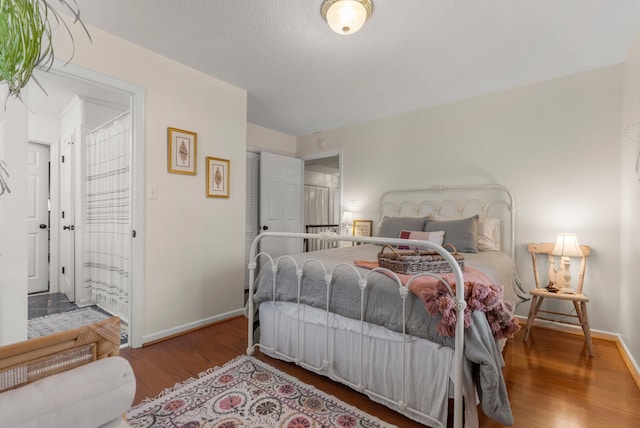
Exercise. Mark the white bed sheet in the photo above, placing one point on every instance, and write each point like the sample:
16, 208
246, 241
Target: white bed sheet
429, 366
501, 270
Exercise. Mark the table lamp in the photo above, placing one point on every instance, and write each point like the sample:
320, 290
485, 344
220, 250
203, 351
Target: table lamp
566, 247
347, 220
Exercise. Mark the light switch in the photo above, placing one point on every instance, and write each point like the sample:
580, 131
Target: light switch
152, 192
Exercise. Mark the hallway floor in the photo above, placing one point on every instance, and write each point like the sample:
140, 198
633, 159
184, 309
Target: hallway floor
44, 304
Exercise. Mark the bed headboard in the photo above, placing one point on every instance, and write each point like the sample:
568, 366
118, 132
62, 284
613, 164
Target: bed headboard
486, 200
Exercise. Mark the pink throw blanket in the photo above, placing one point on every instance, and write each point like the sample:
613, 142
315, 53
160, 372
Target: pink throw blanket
479, 293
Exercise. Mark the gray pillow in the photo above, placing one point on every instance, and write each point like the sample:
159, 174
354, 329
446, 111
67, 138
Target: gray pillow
390, 227
461, 233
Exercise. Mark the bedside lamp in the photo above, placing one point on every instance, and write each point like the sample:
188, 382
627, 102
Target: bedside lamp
347, 220
566, 246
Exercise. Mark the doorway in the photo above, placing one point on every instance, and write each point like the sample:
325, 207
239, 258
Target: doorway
63, 85
326, 165
322, 195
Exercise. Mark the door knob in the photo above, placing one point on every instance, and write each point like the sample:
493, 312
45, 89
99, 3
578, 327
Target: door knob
265, 227
71, 227
43, 226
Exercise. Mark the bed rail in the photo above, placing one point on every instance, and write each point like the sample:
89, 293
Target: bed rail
362, 281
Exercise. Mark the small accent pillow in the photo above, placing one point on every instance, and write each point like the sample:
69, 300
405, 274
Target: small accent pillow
489, 234
436, 237
390, 227
460, 233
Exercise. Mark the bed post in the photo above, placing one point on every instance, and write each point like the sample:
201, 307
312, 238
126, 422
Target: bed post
251, 308
459, 346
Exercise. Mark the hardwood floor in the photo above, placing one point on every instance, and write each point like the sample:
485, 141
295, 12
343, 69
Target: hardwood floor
551, 381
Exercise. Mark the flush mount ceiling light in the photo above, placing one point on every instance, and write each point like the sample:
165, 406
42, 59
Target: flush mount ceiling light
346, 16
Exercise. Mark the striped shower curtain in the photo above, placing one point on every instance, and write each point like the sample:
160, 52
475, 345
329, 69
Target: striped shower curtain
107, 246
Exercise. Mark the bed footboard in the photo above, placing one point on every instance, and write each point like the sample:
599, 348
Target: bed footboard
325, 362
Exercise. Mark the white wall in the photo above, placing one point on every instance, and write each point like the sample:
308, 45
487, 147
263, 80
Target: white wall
13, 222
630, 205
555, 145
261, 138
193, 263
44, 128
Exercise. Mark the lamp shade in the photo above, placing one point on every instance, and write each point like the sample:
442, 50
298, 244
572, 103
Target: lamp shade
346, 16
567, 246
347, 217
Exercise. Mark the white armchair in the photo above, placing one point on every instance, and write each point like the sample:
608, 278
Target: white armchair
68, 379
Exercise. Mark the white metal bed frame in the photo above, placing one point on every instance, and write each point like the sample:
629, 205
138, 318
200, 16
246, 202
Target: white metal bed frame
490, 200
390, 204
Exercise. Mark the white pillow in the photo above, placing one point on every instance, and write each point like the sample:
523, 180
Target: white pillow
489, 234
488, 237
436, 237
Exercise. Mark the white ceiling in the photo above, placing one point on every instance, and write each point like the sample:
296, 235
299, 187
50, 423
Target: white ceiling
301, 77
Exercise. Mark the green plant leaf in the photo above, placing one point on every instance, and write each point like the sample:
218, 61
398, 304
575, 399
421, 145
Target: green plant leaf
26, 30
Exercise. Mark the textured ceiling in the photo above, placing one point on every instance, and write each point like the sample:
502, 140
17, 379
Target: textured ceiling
301, 77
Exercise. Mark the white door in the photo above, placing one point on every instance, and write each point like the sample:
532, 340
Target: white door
281, 181
38, 217
67, 217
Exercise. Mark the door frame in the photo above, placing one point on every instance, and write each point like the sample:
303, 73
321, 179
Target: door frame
136, 95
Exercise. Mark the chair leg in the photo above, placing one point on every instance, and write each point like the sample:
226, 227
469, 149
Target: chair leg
578, 311
533, 310
585, 327
581, 311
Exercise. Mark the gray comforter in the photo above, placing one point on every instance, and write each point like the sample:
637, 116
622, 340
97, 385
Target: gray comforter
383, 306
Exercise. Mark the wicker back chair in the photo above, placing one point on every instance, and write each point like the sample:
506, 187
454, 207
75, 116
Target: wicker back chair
551, 291
24, 362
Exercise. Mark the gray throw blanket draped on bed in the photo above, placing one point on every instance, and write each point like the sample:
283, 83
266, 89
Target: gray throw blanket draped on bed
383, 306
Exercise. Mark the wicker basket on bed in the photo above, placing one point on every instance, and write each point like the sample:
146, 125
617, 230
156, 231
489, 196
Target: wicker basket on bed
412, 262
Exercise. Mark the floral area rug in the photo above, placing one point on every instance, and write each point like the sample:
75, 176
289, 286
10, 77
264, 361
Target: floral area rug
43, 326
246, 392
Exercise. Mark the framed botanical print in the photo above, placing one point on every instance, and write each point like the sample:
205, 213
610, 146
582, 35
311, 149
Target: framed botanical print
218, 177
362, 227
182, 151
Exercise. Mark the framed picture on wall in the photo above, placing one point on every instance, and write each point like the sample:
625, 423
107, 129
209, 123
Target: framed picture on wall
182, 151
218, 177
362, 227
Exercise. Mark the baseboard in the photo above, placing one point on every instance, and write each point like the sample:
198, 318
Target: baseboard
571, 329
628, 359
186, 328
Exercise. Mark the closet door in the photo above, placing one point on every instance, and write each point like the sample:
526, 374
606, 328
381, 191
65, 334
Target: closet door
251, 227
